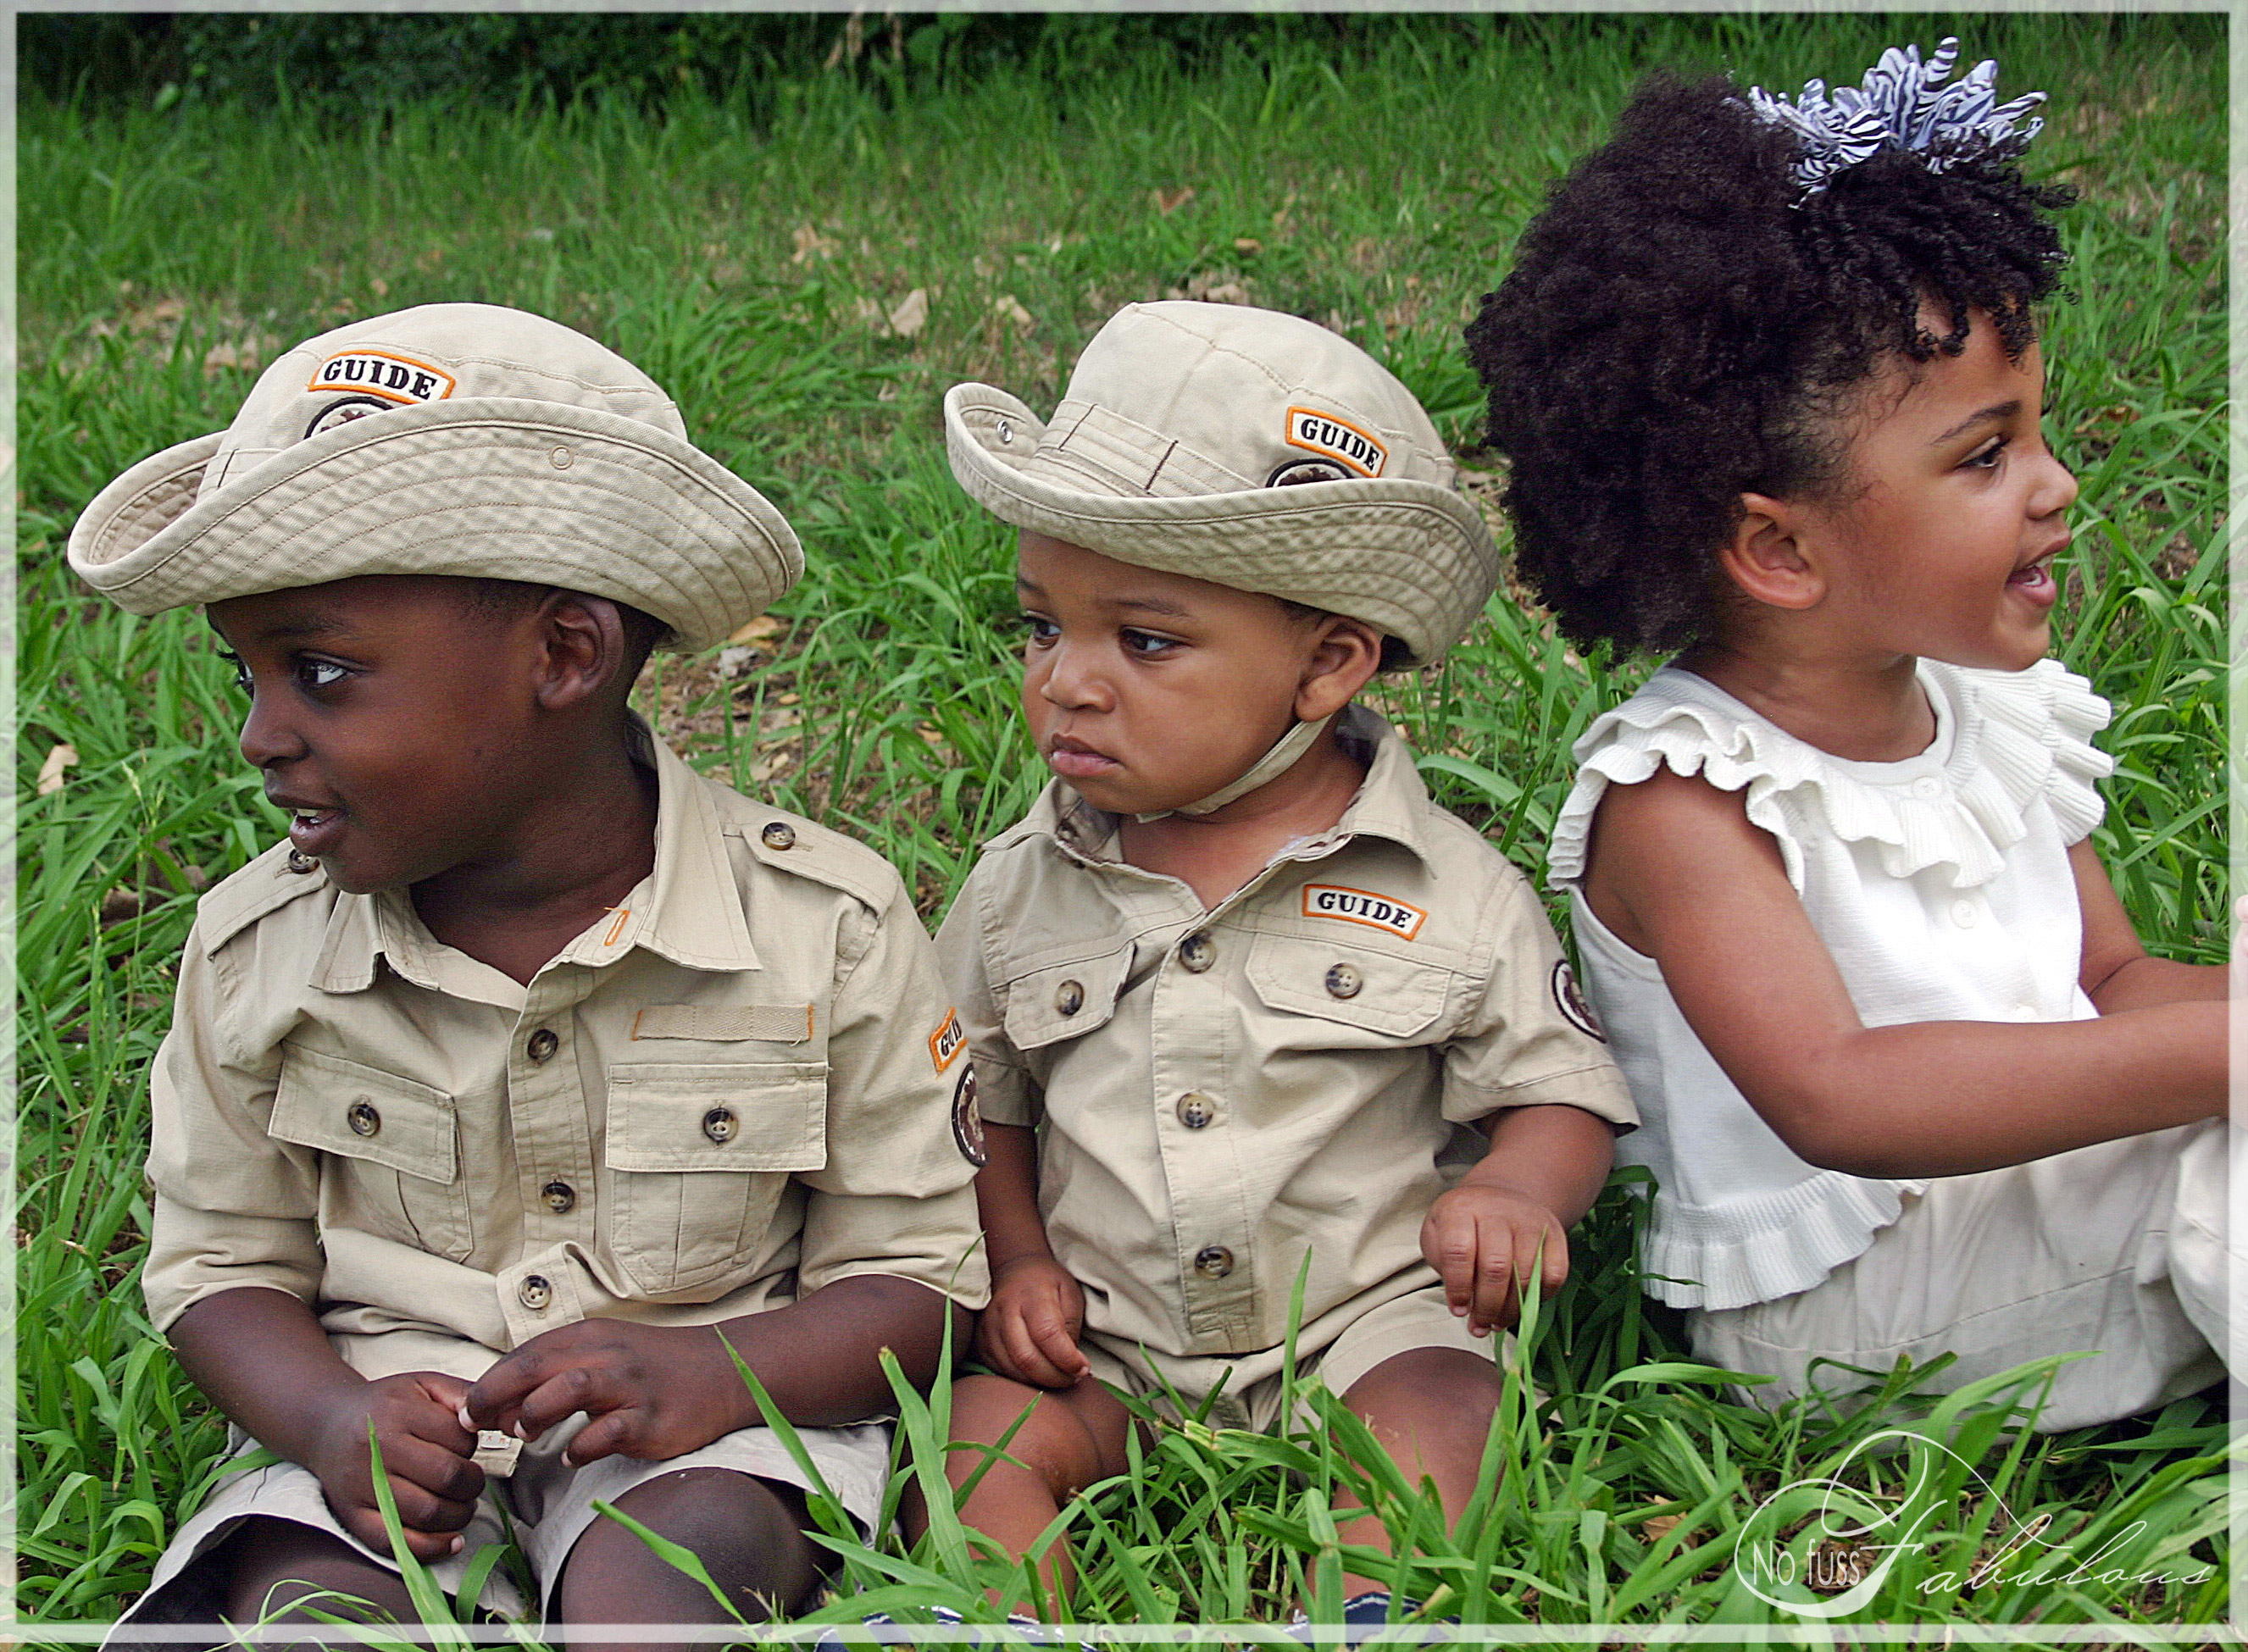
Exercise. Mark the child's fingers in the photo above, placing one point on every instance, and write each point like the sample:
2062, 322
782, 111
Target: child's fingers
1052, 1334
1027, 1353
366, 1524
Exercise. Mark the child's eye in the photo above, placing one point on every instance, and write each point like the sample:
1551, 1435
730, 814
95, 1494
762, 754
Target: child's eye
242, 678
319, 674
1036, 628
1147, 644
1987, 456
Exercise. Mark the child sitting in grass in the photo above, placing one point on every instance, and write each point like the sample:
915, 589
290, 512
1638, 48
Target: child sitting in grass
1768, 375
534, 1079
1245, 1006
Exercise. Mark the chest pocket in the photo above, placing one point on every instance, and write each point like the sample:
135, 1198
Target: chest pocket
698, 1159
1382, 997
393, 1150
1059, 1001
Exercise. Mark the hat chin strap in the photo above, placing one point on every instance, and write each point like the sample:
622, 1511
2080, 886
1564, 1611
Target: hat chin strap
1287, 752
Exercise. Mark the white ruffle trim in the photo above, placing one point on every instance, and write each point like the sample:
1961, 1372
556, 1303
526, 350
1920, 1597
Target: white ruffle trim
1768, 1248
2017, 737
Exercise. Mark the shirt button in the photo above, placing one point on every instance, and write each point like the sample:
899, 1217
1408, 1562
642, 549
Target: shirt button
719, 1124
1197, 1110
1344, 981
1198, 951
1927, 787
299, 861
1963, 913
1069, 997
362, 1117
535, 1293
560, 1197
541, 1044
1214, 1260
779, 835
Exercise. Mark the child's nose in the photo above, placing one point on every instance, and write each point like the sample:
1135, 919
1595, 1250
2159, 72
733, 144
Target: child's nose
1073, 678
266, 737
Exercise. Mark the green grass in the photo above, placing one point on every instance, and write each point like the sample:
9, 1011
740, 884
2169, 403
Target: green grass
744, 252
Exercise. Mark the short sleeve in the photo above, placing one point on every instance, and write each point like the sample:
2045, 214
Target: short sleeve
896, 1195
1529, 1038
234, 1207
1003, 1085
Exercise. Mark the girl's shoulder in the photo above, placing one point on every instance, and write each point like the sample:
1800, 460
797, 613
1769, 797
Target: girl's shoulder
2006, 742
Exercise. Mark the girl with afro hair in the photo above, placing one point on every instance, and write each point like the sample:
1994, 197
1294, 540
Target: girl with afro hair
1767, 374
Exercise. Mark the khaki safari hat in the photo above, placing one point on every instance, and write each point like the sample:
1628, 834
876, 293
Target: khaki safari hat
1247, 448
463, 439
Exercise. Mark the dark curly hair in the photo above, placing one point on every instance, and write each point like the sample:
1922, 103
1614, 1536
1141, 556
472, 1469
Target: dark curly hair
1680, 327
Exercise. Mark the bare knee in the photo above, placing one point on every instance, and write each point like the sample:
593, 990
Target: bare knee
748, 1532
276, 1567
1070, 1437
1429, 1403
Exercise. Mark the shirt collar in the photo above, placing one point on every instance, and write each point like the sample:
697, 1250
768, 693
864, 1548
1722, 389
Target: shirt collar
688, 909
1391, 802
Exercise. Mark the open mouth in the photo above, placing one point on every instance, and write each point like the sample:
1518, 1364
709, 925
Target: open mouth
2036, 578
311, 830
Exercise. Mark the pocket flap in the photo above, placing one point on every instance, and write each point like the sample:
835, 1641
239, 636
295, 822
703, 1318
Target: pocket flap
745, 1115
1391, 995
361, 1112
1062, 1000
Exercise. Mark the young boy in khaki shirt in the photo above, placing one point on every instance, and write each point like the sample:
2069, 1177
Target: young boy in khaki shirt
1242, 1002
534, 1070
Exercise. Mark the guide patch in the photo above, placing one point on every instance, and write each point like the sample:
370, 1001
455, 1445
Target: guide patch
398, 379
1336, 439
1358, 906
944, 1044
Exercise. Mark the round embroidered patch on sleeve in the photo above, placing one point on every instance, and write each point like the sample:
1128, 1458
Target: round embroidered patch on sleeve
966, 1122
1569, 998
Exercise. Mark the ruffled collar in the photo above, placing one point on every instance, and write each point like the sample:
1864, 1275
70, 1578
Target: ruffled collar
2004, 740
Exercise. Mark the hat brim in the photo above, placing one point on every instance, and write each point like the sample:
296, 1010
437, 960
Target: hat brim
1414, 559
485, 488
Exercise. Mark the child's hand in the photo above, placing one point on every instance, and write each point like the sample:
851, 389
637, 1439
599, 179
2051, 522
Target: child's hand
1485, 1240
1029, 1332
425, 1457
650, 1391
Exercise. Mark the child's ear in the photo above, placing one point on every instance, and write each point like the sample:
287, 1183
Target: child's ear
582, 645
1768, 557
1344, 655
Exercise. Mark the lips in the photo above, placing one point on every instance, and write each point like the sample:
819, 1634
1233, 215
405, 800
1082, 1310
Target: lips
2035, 580
1074, 760
311, 826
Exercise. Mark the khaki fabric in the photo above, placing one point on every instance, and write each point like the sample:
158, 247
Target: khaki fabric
728, 1094
1332, 1351
2120, 1250
1224, 1095
1249, 448
544, 1504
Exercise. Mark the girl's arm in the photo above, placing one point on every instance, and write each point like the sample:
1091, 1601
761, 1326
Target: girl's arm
1680, 873
2119, 973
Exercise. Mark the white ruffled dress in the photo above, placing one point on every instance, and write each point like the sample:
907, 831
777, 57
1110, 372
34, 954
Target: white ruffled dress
1941, 885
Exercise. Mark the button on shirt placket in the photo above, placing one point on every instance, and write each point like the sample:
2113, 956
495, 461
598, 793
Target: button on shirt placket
1201, 1159
548, 1116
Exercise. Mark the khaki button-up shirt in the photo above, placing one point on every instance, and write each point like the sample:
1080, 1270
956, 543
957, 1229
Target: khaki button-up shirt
1222, 1095
738, 1086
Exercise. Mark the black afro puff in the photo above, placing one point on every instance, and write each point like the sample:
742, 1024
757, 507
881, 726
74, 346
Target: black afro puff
1675, 323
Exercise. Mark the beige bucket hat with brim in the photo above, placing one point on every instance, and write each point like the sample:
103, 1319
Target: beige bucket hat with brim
1248, 448
464, 440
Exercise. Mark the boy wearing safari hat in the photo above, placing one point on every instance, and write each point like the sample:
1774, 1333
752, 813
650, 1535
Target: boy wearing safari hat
1245, 1005
534, 1079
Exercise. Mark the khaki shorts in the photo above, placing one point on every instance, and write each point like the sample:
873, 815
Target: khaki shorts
549, 1505
2120, 1248
1336, 1350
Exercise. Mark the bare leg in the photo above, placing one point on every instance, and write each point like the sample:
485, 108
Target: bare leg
1074, 1437
1431, 1409
748, 1532
272, 1564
